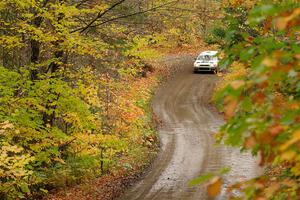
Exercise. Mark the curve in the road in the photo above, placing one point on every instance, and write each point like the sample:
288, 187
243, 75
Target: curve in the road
187, 143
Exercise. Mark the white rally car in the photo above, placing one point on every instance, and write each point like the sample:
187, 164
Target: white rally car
207, 61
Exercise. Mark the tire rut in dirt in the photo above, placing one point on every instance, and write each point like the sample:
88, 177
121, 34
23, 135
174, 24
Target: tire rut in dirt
187, 142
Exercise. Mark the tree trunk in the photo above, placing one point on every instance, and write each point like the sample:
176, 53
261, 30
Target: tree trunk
35, 49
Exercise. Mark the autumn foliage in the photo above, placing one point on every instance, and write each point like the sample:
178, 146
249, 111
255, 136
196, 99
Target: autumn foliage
76, 78
74, 99
262, 106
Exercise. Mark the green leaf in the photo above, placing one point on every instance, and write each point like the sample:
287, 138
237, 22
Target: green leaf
202, 179
24, 188
224, 171
44, 191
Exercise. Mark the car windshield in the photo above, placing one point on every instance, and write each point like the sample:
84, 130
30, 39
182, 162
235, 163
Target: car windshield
206, 57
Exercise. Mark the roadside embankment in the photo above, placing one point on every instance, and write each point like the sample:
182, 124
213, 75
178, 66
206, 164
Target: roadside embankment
129, 166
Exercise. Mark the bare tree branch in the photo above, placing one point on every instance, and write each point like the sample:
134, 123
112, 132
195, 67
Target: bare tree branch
99, 15
91, 24
80, 3
134, 14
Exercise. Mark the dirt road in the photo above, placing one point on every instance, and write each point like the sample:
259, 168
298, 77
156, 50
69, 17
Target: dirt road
187, 144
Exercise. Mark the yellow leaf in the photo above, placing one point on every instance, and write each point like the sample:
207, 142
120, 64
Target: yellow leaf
296, 170
289, 155
295, 138
214, 187
269, 62
7, 125
59, 160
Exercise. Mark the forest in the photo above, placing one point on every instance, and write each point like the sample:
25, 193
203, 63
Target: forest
75, 86
77, 78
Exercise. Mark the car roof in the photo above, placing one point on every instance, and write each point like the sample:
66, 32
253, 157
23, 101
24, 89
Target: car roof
210, 53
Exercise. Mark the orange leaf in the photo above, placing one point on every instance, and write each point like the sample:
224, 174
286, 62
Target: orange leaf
289, 183
272, 189
282, 22
237, 84
259, 98
261, 198
214, 187
267, 24
250, 142
266, 138
276, 129
230, 106
297, 56
294, 106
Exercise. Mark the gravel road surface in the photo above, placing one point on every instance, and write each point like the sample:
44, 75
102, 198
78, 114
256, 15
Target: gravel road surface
189, 122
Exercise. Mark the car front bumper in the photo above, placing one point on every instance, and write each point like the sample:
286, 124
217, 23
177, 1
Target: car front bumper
204, 68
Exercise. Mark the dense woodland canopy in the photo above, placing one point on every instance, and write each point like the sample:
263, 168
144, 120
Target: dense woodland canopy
75, 86
73, 101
